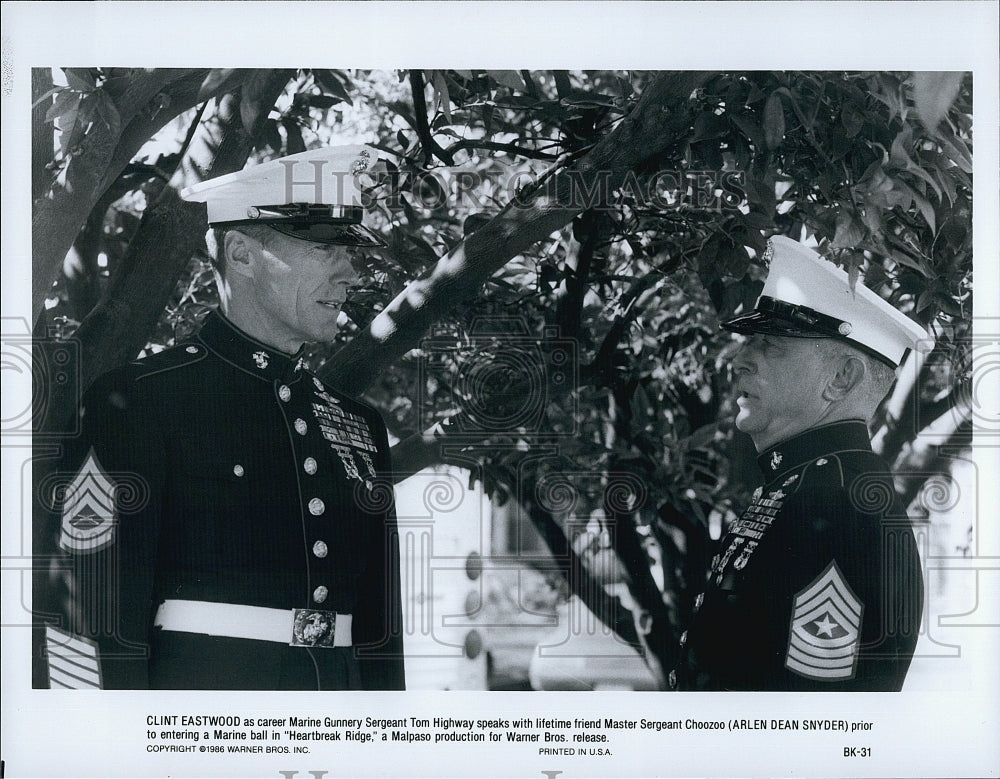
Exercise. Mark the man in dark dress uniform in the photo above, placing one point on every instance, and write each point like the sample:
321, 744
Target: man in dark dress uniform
818, 585
230, 523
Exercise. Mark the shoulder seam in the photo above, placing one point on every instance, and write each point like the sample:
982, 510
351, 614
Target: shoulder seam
186, 361
830, 459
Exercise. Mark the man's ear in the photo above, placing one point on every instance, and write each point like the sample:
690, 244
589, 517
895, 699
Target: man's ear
850, 372
238, 249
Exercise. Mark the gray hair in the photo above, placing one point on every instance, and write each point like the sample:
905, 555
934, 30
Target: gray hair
879, 376
215, 241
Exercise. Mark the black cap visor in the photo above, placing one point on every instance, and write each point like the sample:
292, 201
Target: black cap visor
313, 222
775, 317
326, 232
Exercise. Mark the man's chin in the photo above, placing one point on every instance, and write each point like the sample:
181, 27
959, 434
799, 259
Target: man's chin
325, 331
745, 422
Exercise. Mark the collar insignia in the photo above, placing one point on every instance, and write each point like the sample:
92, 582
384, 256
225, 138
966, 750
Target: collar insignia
775, 460
261, 358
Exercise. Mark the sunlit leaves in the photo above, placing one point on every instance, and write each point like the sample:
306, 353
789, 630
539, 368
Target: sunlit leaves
774, 121
78, 106
934, 92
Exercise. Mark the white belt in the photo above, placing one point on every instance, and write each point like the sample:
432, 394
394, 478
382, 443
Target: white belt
295, 627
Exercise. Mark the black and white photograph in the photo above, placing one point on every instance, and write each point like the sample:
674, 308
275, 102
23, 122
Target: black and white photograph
500, 389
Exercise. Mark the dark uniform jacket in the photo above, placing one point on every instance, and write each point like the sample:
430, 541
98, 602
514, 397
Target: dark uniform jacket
818, 585
222, 471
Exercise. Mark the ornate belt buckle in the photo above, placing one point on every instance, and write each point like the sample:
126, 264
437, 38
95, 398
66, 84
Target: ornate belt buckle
313, 628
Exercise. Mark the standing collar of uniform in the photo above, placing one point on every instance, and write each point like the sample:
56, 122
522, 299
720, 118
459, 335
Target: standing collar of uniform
851, 434
245, 352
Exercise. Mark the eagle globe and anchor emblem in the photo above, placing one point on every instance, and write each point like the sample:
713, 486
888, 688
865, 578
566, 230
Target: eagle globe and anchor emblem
313, 628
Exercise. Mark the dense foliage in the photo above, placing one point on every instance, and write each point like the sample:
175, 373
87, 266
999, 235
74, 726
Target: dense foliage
586, 379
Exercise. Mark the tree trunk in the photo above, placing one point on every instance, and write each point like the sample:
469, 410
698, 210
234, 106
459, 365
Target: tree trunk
171, 234
153, 99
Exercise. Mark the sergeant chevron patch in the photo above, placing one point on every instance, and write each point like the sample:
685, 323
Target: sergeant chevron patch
825, 628
88, 515
73, 663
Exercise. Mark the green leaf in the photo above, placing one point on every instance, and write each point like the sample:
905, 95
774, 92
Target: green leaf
335, 83
948, 304
760, 192
440, 86
956, 150
214, 81
708, 125
734, 260
425, 250
488, 111
752, 238
80, 79
46, 96
403, 141
947, 184
66, 100
507, 78
321, 101
934, 93
708, 257
756, 220
250, 99
902, 258
749, 128
793, 99
294, 142
900, 158
248, 113
926, 211
774, 121
849, 232
924, 300
270, 136
852, 118
853, 274
107, 111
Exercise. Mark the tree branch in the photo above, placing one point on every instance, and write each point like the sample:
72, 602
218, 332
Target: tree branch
608, 609
659, 121
511, 148
431, 147
154, 99
170, 234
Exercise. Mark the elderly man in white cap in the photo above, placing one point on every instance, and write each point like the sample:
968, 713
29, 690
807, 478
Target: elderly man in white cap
229, 521
818, 585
